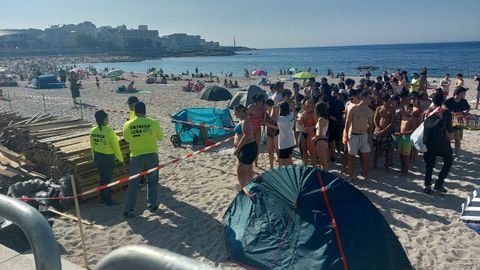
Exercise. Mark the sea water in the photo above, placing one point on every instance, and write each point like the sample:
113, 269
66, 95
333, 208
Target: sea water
438, 58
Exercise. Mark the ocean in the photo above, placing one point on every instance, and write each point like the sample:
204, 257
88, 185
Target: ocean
438, 58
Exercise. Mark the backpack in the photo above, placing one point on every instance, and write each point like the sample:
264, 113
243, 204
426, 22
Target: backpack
434, 127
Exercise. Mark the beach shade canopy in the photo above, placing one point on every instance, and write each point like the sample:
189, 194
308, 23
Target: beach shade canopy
471, 211
304, 75
46, 82
259, 72
303, 218
114, 73
215, 93
293, 69
244, 96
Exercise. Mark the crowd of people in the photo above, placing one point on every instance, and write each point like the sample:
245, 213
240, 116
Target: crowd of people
330, 122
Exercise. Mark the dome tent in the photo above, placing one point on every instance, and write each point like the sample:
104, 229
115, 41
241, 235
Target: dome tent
244, 96
289, 226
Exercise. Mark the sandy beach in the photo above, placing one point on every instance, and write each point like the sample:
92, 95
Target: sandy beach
194, 193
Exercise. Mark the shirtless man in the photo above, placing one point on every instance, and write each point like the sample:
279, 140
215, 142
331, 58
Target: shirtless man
404, 145
358, 128
353, 99
383, 120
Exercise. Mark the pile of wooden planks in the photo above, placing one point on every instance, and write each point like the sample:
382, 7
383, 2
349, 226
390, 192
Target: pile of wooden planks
57, 146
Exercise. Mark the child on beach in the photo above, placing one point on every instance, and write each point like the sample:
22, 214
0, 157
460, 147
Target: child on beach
404, 145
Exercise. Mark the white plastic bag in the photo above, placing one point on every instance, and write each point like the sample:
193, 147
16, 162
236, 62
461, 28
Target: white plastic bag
417, 139
417, 135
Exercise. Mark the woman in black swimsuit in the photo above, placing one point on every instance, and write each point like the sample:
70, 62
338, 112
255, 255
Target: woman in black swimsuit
246, 147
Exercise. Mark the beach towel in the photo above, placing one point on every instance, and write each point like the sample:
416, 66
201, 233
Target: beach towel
471, 211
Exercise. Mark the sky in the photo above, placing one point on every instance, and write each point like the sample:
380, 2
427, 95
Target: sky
266, 23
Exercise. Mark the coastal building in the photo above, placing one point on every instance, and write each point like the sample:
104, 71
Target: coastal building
19, 39
86, 36
186, 42
124, 36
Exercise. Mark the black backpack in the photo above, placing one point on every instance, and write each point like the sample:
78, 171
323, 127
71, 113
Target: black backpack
434, 128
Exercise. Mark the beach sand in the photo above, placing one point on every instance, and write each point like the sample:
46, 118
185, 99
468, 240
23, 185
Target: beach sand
194, 193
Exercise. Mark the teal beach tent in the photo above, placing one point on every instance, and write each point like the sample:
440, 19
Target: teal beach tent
304, 218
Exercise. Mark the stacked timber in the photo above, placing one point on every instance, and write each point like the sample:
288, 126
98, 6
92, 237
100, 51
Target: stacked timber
58, 146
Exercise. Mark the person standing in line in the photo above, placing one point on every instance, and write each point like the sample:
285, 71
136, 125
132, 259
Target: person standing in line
286, 136
131, 106
437, 135
246, 148
477, 78
272, 130
321, 137
256, 113
458, 104
358, 129
142, 134
415, 83
97, 82
459, 82
105, 149
383, 119
445, 85
74, 88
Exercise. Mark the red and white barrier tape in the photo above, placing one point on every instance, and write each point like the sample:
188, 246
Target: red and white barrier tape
46, 97
126, 179
107, 110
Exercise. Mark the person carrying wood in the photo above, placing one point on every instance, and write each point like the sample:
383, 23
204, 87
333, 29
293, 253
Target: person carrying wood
142, 134
105, 149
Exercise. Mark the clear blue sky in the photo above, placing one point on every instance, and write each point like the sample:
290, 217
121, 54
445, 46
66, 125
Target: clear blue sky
266, 23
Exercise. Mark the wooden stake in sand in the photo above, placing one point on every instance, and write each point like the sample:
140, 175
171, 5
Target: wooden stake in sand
44, 105
77, 209
65, 215
9, 100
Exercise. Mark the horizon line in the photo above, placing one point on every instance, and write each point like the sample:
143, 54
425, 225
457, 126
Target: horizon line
360, 45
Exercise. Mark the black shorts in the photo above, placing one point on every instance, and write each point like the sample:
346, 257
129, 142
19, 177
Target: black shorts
334, 132
285, 153
248, 153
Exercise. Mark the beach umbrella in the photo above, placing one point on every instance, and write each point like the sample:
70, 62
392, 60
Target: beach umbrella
77, 70
293, 69
304, 75
215, 93
259, 72
114, 73
471, 211
298, 217
154, 73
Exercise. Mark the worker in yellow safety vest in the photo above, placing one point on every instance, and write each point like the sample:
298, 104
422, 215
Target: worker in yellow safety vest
105, 149
142, 134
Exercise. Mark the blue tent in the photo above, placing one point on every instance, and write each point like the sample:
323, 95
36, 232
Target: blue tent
207, 116
303, 218
46, 82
